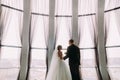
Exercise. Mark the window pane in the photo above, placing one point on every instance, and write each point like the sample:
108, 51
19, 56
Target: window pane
113, 56
87, 31
9, 74
12, 26
114, 73
38, 58
10, 57
89, 74
38, 64
40, 6
39, 31
37, 74
63, 31
9, 63
88, 58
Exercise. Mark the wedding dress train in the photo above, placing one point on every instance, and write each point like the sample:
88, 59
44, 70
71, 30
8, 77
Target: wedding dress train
58, 70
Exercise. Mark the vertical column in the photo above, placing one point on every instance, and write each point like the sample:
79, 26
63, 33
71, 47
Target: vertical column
25, 41
75, 21
51, 39
0, 22
101, 41
0, 6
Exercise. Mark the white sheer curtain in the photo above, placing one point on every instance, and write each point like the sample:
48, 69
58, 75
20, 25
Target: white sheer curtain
12, 27
39, 30
38, 40
87, 6
63, 7
63, 23
113, 38
63, 27
11, 23
87, 33
87, 45
13, 3
110, 4
40, 6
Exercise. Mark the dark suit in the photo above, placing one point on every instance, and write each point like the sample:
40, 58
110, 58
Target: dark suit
73, 53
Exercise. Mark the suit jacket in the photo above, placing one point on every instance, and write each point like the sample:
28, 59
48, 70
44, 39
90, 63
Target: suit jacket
73, 53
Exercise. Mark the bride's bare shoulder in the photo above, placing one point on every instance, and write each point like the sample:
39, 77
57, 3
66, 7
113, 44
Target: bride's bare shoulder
60, 54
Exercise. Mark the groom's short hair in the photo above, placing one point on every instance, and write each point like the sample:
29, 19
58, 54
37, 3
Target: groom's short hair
71, 41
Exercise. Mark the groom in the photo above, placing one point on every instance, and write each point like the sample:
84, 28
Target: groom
73, 53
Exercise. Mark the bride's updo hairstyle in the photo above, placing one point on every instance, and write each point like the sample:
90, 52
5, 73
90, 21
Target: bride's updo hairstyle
59, 47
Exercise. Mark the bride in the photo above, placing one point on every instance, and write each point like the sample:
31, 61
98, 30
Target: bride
58, 68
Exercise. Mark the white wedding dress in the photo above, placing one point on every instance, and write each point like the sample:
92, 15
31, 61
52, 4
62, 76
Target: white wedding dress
58, 70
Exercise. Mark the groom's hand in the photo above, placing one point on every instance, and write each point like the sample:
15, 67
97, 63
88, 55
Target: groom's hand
63, 58
65, 53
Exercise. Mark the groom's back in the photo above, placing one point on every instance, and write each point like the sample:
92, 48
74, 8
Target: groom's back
74, 54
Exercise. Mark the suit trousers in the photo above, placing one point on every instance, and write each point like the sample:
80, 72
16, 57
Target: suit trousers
74, 68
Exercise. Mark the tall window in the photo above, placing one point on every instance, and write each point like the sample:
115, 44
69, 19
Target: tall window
112, 30
11, 24
38, 40
87, 34
63, 18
